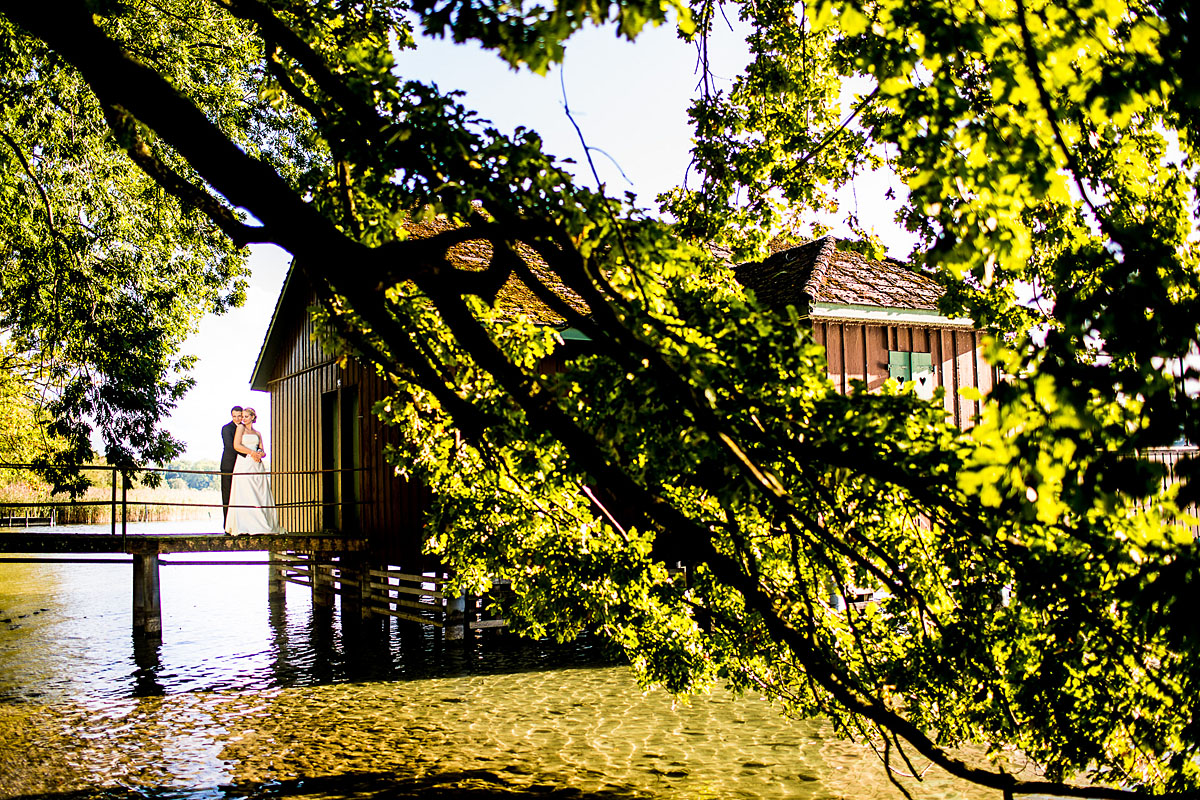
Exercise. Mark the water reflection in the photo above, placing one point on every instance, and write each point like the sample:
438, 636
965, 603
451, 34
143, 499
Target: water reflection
147, 657
250, 698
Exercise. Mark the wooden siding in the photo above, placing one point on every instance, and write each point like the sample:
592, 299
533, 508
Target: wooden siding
859, 351
304, 384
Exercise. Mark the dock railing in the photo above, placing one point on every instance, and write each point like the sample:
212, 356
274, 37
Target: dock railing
39, 513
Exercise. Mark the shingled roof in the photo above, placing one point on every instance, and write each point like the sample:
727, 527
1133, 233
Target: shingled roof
515, 298
820, 272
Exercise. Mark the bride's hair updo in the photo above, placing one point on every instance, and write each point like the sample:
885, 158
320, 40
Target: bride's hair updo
249, 413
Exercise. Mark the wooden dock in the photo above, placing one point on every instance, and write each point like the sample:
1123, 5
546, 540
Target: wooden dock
348, 560
330, 565
145, 550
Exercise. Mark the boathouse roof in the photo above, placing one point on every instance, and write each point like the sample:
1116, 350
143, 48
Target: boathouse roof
822, 272
514, 297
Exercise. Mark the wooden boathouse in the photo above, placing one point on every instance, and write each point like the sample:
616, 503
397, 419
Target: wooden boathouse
877, 319
325, 441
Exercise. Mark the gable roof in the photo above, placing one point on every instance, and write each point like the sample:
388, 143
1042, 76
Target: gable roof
293, 299
820, 272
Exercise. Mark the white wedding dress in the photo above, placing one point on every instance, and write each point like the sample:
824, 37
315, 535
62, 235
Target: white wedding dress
251, 504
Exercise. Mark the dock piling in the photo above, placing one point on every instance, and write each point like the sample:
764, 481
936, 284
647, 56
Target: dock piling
355, 588
147, 605
276, 577
457, 619
322, 581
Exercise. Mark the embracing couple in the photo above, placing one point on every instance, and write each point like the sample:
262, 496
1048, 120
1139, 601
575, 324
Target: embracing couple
245, 485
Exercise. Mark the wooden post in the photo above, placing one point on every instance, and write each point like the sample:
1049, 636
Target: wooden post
276, 582
114, 501
125, 510
147, 606
322, 583
355, 588
457, 620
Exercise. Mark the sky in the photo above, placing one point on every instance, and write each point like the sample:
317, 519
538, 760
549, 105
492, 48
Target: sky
630, 101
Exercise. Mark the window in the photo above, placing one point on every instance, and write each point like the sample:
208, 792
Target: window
906, 366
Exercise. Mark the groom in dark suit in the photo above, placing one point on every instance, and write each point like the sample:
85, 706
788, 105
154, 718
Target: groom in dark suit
228, 456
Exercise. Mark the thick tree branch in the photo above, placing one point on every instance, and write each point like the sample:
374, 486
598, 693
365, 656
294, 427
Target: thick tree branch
539, 404
119, 81
280, 73
124, 127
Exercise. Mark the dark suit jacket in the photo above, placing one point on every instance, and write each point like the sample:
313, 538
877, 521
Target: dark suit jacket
228, 454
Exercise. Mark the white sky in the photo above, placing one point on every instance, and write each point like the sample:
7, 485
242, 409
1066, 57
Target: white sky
630, 100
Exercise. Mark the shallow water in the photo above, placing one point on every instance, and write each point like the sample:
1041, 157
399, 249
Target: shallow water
246, 699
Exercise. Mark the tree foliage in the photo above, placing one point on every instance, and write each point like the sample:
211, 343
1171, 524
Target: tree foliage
198, 475
1034, 576
98, 260
22, 425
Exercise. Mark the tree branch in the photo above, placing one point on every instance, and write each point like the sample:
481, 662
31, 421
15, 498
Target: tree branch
16, 148
124, 128
119, 81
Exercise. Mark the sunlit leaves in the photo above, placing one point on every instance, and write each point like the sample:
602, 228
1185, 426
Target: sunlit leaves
104, 274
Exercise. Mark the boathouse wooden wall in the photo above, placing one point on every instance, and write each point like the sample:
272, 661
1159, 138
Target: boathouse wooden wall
303, 383
859, 351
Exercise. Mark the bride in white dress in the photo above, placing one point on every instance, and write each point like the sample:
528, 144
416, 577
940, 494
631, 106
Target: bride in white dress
251, 504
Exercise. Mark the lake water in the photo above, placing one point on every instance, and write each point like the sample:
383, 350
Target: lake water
245, 699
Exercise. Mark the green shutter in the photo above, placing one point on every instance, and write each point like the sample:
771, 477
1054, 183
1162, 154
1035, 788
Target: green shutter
922, 362
899, 366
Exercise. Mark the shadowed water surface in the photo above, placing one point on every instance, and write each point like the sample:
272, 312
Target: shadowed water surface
248, 699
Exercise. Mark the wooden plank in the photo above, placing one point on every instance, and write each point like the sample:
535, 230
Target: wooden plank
409, 617
834, 354
405, 576
435, 608
409, 590
854, 363
876, 342
490, 623
395, 601
945, 371
975, 381
955, 361
53, 542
